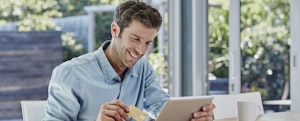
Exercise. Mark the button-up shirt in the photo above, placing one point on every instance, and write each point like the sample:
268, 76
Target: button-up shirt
80, 86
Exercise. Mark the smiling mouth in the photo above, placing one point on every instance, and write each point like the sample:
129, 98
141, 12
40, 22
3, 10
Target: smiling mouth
133, 54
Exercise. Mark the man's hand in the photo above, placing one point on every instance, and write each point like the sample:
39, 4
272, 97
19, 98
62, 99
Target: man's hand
113, 111
204, 114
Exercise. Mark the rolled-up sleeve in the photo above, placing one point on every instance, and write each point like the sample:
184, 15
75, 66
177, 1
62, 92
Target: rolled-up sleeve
63, 102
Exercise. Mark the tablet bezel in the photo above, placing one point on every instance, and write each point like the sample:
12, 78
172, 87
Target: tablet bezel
181, 108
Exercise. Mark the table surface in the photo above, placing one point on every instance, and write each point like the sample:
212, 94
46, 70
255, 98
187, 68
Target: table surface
279, 116
277, 102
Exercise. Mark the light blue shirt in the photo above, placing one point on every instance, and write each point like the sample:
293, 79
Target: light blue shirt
80, 86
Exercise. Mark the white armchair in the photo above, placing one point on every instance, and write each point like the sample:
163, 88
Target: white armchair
33, 110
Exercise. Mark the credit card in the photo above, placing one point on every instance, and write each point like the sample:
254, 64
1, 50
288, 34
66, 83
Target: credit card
137, 114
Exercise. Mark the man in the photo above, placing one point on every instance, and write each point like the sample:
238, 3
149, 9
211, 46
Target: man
100, 85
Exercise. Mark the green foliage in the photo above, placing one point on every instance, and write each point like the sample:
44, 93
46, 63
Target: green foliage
103, 23
158, 62
265, 48
35, 15
103, 19
36, 23
218, 39
159, 65
75, 7
72, 47
31, 15
264, 44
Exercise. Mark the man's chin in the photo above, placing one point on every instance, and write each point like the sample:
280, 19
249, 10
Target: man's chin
130, 64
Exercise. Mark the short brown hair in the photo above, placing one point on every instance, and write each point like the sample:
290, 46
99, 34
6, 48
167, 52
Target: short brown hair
130, 11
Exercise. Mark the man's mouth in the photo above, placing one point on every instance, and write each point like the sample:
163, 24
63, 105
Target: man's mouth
133, 54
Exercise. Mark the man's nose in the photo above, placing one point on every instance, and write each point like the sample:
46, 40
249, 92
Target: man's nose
140, 49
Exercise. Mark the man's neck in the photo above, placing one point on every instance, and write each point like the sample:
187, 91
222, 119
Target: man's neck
119, 68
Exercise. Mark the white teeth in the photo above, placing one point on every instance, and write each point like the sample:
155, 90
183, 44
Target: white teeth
133, 55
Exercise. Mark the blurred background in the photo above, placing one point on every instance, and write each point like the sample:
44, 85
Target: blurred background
37, 35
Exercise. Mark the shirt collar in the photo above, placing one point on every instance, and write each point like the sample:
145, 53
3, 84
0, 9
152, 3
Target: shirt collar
109, 73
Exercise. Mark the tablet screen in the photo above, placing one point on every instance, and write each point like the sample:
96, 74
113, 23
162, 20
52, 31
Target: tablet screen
181, 108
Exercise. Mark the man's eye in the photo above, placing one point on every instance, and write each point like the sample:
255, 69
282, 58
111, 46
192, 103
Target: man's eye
135, 39
148, 43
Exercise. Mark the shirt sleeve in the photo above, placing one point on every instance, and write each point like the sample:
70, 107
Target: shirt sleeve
155, 96
62, 102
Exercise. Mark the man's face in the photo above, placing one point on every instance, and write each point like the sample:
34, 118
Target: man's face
134, 43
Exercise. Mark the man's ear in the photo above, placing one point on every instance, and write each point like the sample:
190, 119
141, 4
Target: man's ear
115, 29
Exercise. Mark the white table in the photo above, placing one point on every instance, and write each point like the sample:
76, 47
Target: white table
277, 102
280, 116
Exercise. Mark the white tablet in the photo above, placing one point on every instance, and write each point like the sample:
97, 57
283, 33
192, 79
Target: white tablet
181, 108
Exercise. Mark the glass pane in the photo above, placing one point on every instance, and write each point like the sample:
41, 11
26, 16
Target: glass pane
265, 49
218, 44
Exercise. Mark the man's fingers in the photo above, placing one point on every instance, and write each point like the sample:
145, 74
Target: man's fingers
115, 109
120, 111
206, 113
112, 114
202, 114
121, 104
208, 107
106, 119
207, 118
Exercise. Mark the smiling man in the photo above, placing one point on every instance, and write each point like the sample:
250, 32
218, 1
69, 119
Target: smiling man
100, 85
